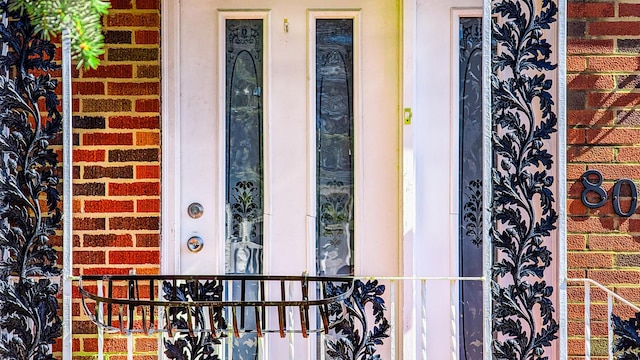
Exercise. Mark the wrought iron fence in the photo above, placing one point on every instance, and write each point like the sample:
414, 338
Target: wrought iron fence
336, 317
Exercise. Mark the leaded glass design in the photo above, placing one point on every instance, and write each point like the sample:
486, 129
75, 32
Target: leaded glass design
244, 160
470, 186
334, 140
244, 165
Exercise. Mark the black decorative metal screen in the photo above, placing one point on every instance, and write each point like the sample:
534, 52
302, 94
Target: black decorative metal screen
523, 209
29, 274
626, 345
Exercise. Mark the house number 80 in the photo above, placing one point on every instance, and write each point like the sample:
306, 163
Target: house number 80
592, 182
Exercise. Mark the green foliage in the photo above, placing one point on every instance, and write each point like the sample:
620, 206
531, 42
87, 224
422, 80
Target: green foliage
81, 18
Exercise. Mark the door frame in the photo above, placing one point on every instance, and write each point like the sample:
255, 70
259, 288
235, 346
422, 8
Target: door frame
409, 294
170, 119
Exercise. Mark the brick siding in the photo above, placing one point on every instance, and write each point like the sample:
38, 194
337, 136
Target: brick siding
117, 164
603, 118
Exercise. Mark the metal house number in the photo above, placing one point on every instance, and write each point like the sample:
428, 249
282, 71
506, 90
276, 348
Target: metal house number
592, 182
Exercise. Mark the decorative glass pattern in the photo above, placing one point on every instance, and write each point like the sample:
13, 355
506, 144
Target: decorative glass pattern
244, 167
470, 186
244, 160
334, 140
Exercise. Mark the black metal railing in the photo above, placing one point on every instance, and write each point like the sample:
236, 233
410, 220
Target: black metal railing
190, 304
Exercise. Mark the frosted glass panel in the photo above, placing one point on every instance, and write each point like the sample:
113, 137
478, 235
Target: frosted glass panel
470, 187
334, 140
244, 158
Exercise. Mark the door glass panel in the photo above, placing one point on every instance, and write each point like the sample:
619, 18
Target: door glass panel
244, 167
470, 234
244, 158
334, 140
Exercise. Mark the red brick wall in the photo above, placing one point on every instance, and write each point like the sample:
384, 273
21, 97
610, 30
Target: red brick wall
603, 64
117, 163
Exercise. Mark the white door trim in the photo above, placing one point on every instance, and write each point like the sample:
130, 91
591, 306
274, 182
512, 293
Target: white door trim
170, 141
170, 118
410, 294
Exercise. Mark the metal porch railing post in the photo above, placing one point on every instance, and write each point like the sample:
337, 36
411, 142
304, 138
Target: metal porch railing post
611, 297
100, 315
67, 204
292, 322
423, 322
609, 326
587, 320
487, 192
392, 285
453, 318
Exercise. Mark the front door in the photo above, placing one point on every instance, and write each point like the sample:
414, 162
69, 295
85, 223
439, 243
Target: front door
289, 142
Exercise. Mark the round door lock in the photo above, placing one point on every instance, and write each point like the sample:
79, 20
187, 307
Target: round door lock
195, 244
195, 210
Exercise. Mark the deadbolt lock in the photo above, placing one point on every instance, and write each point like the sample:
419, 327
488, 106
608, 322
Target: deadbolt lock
195, 244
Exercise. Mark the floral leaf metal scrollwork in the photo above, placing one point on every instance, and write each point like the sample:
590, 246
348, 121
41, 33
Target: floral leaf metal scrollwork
523, 215
198, 344
626, 345
348, 343
29, 321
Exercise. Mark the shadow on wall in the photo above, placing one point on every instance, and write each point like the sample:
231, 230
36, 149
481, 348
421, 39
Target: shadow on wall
603, 131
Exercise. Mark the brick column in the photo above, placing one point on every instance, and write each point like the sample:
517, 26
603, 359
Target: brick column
603, 134
117, 163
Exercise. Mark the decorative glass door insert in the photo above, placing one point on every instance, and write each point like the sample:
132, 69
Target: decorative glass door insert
470, 185
334, 139
244, 138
